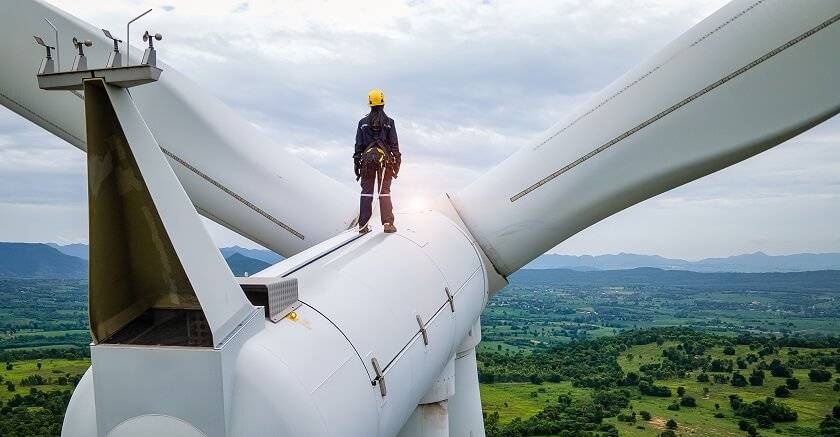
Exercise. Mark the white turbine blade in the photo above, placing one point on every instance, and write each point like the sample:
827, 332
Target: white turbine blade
233, 174
747, 78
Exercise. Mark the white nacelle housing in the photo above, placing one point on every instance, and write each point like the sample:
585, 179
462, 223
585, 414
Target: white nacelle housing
312, 373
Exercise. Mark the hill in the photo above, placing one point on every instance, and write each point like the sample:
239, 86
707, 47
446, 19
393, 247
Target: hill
824, 280
260, 254
36, 260
757, 262
241, 264
78, 250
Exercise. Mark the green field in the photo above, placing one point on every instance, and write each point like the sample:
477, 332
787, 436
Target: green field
558, 352
812, 401
51, 370
518, 399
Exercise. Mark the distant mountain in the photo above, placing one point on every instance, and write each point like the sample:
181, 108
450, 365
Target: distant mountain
81, 251
260, 254
36, 260
241, 264
824, 280
761, 262
78, 250
757, 262
748, 263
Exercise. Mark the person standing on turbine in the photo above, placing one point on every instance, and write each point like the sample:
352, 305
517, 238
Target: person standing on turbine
376, 162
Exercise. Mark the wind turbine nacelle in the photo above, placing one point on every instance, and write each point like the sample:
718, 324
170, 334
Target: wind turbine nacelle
404, 301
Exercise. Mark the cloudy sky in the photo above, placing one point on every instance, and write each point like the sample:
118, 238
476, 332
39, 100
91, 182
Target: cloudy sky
468, 83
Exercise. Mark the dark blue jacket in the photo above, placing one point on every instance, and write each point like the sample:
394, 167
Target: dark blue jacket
387, 136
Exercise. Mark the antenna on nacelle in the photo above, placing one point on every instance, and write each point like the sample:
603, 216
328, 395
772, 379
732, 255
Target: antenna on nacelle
150, 55
128, 35
115, 58
80, 62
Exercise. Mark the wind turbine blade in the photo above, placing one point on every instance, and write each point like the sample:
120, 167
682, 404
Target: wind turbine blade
233, 174
751, 76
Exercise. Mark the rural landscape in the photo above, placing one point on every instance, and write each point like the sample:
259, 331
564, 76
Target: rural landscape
635, 351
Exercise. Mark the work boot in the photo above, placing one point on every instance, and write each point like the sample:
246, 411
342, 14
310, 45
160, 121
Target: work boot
389, 228
364, 229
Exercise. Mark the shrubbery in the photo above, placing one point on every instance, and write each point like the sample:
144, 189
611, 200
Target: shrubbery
738, 380
774, 411
688, 401
779, 370
649, 389
819, 375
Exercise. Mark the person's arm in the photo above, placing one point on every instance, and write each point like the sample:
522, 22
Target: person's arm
360, 146
394, 148
357, 153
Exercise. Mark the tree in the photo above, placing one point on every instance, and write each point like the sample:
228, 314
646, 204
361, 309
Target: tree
779, 370
756, 380
648, 389
674, 406
830, 426
764, 421
39, 365
9, 366
738, 380
729, 350
671, 424
631, 378
702, 377
645, 415
688, 401
680, 391
819, 375
667, 433
792, 383
782, 392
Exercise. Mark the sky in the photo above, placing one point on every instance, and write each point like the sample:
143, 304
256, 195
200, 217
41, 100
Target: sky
468, 83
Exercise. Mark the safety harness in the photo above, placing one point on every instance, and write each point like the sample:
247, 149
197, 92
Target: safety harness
372, 160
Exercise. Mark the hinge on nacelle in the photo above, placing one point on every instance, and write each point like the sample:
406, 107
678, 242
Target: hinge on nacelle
423, 330
380, 377
450, 299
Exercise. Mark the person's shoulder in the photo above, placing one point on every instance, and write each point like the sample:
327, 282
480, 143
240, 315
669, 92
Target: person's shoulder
390, 123
363, 121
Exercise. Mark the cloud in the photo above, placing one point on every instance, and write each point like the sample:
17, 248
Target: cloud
468, 84
242, 7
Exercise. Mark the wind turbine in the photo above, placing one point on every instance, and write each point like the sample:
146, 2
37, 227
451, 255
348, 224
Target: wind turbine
362, 348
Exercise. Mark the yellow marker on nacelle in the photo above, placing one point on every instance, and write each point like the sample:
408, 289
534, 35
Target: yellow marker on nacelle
293, 316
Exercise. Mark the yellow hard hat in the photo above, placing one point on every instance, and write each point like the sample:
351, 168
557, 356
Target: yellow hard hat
376, 98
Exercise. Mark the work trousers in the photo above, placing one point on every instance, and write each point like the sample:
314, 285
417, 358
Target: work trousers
369, 190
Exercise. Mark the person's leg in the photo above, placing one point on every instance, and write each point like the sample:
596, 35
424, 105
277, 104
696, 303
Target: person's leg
386, 208
366, 199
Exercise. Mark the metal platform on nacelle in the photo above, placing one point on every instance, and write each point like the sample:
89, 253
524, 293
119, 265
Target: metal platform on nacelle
121, 77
